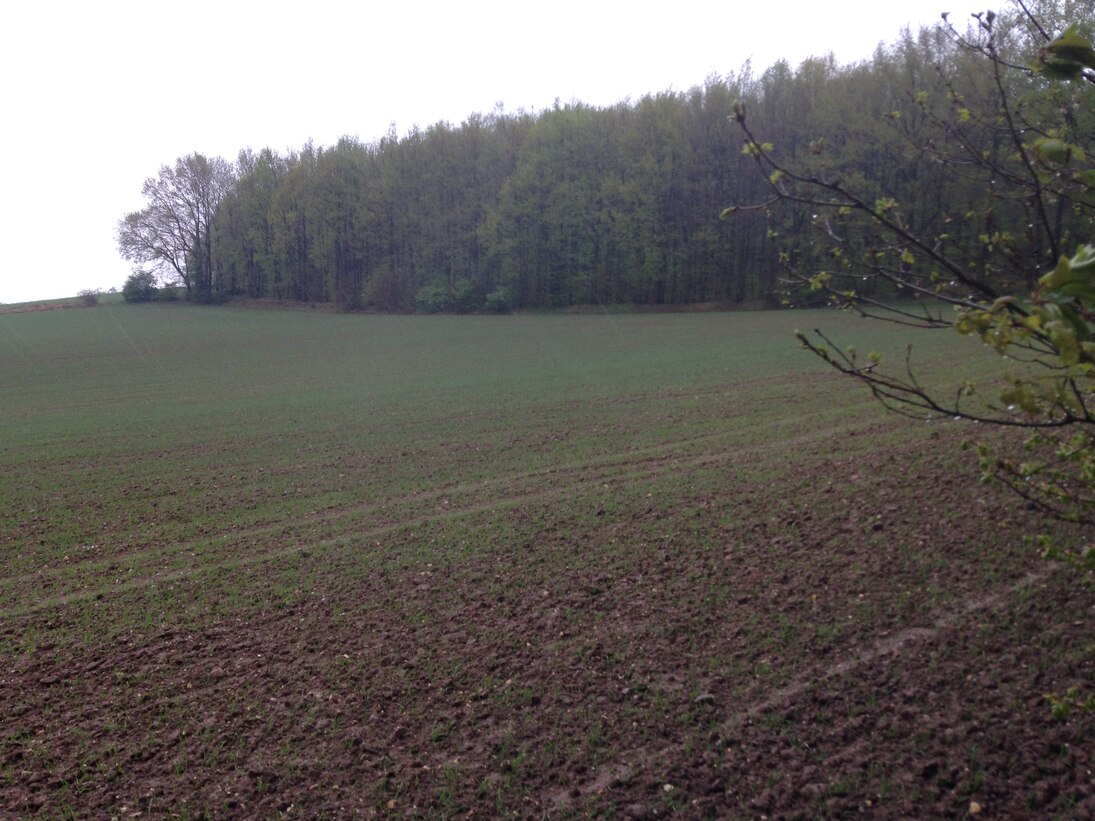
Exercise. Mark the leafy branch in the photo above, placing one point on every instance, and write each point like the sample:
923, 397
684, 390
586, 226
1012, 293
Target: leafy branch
997, 268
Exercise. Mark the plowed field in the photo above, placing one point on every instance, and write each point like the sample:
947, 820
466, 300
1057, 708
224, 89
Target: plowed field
273, 564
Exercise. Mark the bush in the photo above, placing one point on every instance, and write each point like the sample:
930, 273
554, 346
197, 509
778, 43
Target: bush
465, 296
140, 286
89, 297
208, 297
432, 299
498, 300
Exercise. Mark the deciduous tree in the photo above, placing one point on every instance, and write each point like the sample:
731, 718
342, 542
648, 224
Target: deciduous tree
172, 233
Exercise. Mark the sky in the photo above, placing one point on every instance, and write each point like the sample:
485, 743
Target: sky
97, 96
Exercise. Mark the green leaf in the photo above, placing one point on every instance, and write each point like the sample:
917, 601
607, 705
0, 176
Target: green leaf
1051, 151
1072, 47
1058, 276
1086, 178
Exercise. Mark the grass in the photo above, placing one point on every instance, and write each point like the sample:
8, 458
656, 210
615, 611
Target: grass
457, 526
267, 417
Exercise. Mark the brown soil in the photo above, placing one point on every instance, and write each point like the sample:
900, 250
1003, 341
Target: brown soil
882, 648
36, 307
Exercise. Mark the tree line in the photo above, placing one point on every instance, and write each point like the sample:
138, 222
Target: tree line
578, 204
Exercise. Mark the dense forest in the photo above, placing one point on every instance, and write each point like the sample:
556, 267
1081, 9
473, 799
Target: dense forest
583, 205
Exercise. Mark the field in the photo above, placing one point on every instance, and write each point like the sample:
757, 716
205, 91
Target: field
260, 563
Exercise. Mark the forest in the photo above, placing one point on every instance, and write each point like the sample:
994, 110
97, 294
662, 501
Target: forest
580, 205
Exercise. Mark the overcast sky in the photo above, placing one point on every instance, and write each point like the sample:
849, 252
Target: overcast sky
96, 96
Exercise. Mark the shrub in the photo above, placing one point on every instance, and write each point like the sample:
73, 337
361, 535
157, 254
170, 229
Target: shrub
209, 297
465, 296
140, 286
432, 299
89, 296
498, 300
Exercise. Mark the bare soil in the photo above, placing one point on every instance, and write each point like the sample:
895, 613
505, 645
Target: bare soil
858, 636
37, 307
